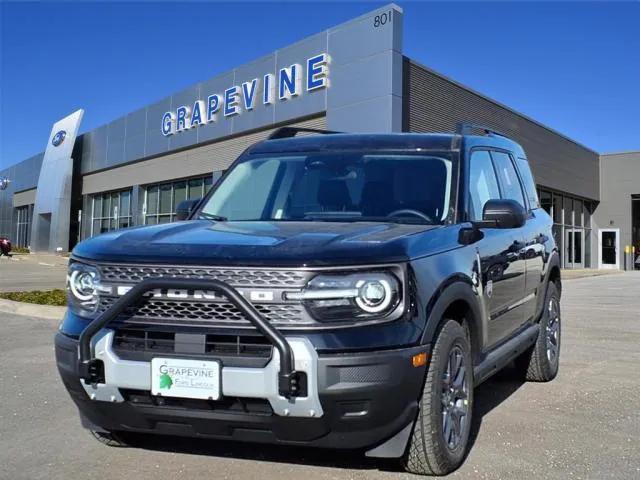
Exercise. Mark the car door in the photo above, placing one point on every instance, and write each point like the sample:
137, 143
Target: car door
536, 239
502, 265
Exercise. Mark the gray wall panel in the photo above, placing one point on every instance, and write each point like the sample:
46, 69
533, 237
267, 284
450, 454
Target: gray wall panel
23, 176
435, 103
87, 149
136, 124
116, 132
619, 180
155, 142
98, 148
366, 69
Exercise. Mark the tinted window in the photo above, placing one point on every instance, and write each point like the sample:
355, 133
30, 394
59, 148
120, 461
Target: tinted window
507, 177
529, 182
482, 183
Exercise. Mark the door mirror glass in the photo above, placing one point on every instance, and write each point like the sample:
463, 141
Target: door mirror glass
503, 213
185, 208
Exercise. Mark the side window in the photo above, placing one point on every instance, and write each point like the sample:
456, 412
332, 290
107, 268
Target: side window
529, 182
508, 177
482, 183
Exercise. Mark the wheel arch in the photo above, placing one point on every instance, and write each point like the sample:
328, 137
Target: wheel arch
456, 299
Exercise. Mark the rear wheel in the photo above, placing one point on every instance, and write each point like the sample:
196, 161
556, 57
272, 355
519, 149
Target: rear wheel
438, 444
541, 362
109, 439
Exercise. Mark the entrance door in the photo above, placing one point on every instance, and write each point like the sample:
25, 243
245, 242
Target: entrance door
609, 243
573, 248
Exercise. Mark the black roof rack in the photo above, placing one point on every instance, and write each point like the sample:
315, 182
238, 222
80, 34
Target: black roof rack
288, 132
466, 128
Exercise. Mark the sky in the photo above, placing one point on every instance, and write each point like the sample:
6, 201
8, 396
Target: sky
572, 66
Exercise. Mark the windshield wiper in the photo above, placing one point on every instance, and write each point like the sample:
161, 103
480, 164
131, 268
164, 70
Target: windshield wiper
211, 216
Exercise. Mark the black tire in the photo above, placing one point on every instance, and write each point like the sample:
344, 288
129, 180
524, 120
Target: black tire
109, 439
428, 452
542, 361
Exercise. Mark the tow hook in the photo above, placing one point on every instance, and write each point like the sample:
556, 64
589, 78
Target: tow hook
92, 371
293, 384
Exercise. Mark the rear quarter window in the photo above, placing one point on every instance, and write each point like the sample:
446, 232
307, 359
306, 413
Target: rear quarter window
529, 182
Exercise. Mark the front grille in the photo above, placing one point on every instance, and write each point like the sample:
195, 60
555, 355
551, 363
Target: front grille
237, 277
202, 314
210, 311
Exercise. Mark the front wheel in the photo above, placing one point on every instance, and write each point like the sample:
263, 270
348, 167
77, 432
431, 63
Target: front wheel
440, 436
541, 362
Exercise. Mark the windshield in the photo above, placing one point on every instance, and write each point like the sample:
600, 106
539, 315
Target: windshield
345, 186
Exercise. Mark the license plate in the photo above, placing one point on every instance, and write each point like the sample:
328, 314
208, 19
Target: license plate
173, 377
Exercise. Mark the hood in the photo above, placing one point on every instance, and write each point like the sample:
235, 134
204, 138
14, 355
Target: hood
255, 243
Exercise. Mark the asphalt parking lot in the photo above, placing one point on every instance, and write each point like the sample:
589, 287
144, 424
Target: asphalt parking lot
32, 272
583, 425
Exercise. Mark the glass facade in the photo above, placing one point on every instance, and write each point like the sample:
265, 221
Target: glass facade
23, 226
161, 200
571, 227
110, 211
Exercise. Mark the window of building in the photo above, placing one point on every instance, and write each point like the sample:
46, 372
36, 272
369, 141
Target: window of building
161, 200
110, 211
483, 185
507, 177
557, 208
545, 201
23, 226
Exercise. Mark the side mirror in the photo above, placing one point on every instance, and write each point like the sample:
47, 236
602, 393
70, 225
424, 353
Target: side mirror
503, 214
185, 208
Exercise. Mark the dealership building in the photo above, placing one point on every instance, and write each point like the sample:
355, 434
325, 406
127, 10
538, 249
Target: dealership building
353, 77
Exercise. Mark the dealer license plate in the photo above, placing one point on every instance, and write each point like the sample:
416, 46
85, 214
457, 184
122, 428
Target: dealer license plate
173, 377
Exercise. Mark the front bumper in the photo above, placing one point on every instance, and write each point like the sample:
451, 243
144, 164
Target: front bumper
356, 400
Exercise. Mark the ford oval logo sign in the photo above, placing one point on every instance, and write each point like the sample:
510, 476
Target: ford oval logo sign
4, 183
58, 138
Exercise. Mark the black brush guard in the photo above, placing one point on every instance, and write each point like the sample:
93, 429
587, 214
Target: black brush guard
89, 367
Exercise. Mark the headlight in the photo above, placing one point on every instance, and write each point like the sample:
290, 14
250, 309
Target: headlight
353, 296
83, 289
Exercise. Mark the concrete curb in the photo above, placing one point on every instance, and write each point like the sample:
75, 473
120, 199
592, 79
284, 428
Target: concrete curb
31, 309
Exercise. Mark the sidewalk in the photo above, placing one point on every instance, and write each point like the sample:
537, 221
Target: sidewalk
568, 274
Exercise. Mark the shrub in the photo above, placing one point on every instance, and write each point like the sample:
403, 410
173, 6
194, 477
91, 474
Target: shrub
20, 250
57, 297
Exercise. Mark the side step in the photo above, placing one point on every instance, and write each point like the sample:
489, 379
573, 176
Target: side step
505, 353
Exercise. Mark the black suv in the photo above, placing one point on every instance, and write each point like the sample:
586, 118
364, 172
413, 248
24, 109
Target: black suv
332, 290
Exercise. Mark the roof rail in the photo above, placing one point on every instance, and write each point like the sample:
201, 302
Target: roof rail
465, 128
288, 132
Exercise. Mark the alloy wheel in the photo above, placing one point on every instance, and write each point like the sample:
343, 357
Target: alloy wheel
553, 330
455, 394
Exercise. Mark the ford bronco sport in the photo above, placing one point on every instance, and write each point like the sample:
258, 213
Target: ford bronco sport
332, 290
